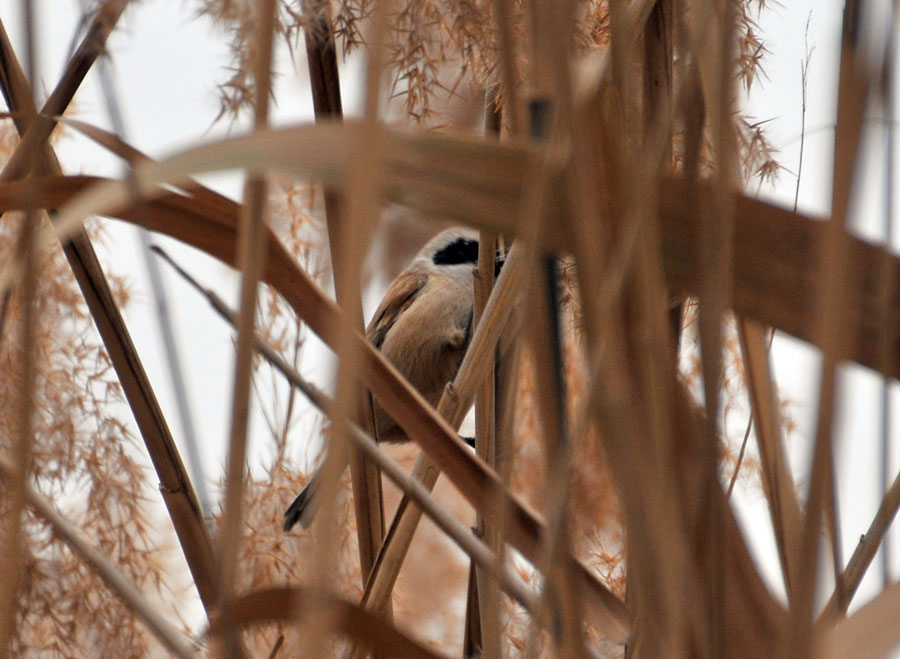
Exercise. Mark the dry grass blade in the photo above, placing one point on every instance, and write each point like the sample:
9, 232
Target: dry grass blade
106, 139
773, 280
773, 252
774, 277
326, 152
862, 557
251, 251
98, 562
778, 483
286, 604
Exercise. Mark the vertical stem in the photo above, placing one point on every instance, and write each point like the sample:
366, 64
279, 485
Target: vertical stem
362, 204
10, 566
325, 83
888, 233
250, 261
484, 602
717, 253
829, 333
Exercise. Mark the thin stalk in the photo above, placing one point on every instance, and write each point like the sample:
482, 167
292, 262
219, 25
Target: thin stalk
890, 100
363, 197
17, 477
325, 84
483, 600
832, 334
778, 484
804, 85
251, 250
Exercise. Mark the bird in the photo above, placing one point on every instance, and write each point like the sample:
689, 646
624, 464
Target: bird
422, 326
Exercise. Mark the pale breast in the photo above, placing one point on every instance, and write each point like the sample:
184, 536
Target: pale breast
424, 343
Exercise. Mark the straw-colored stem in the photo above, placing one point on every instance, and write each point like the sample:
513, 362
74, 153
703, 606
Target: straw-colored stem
831, 332
363, 195
17, 477
325, 83
485, 447
251, 252
717, 240
503, 11
778, 484
550, 109
482, 609
863, 555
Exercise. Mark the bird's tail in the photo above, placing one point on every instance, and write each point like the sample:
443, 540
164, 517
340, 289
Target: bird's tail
304, 506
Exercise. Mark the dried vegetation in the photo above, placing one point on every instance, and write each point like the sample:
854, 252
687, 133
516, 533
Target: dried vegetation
617, 147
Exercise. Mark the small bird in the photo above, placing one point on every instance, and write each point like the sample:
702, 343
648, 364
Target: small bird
422, 326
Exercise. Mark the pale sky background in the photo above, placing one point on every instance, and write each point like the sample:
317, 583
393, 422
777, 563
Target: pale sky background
165, 64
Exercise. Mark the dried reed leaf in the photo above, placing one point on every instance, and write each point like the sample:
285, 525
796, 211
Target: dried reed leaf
424, 171
778, 484
773, 251
110, 141
774, 278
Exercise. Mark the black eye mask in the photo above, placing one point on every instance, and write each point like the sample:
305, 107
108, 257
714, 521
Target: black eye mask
464, 250
461, 250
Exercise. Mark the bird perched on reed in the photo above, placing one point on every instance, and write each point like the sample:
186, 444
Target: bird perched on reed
423, 326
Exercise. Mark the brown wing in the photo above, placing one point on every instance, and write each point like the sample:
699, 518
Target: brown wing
400, 294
